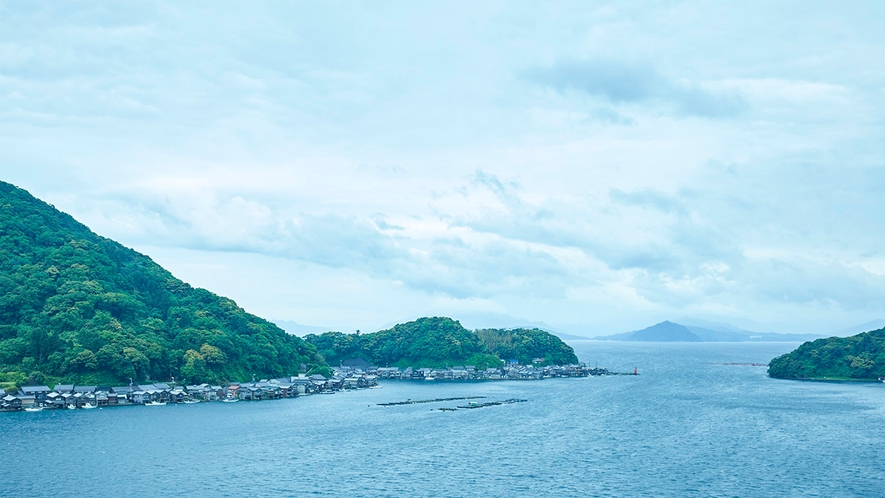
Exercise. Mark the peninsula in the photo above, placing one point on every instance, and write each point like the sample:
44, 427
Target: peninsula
438, 342
77, 308
860, 357
80, 310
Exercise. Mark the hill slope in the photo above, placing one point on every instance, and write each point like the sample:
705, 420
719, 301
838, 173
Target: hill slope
83, 308
860, 356
440, 342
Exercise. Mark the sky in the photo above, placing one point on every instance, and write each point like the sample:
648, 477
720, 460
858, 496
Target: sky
593, 167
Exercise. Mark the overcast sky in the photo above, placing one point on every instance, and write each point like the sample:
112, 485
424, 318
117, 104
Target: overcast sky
594, 166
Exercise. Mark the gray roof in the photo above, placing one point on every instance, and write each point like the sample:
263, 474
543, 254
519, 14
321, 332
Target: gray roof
84, 389
64, 388
35, 389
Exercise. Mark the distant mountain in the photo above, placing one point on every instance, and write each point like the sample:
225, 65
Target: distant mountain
715, 332
665, 332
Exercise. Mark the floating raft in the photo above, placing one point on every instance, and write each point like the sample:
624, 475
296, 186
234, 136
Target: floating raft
472, 405
438, 400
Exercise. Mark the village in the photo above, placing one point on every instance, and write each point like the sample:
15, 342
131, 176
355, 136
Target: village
352, 374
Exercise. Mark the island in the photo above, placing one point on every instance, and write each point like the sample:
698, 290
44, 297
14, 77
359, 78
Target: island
860, 357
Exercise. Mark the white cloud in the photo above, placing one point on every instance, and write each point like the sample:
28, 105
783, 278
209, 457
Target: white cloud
605, 166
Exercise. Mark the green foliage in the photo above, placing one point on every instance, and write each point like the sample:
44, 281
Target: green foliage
323, 370
860, 356
82, 308
525, 345
441, 342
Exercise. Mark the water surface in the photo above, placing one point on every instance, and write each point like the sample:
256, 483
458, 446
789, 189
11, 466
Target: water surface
687, 426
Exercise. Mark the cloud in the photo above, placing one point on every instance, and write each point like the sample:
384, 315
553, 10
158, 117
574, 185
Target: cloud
643, 163
622, 82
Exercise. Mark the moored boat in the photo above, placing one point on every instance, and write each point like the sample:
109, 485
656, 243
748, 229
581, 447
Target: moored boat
155, 403
34, 409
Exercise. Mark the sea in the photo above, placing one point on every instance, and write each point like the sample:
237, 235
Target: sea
698, 420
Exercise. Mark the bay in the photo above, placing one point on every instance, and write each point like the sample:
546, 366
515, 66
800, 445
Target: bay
688, 425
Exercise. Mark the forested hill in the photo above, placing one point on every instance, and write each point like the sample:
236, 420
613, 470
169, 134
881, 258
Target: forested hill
441, 342
861, 356
81, 308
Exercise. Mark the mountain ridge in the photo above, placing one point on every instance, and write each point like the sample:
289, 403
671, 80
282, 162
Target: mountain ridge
82, 308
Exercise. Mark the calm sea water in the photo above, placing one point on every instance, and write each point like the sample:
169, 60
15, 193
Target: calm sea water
687, 426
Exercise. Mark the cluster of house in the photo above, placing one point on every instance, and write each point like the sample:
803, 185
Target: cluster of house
511, 371
357, 374
72, 397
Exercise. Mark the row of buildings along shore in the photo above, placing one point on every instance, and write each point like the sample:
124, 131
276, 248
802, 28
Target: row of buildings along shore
352, 376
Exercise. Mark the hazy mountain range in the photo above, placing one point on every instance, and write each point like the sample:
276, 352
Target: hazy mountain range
667, 331
687, 329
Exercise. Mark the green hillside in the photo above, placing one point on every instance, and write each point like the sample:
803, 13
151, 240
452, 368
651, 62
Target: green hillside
861, 356
81, 308
441, 342
526, 345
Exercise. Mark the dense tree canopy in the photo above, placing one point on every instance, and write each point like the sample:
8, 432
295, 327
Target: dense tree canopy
83, 308
441, 342
527, 345
860, 356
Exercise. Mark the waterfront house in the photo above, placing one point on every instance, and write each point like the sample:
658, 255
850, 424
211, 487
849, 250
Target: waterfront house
287, 390
177, 395
10, 403
123, 394
140, 396
55, 400
303, 385
64, 388
318, 381
28, 399
38, 392
84, 389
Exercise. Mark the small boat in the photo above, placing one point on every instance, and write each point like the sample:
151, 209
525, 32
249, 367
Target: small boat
374, 387
155, 403
229, 400
327, 392
34, 409
72, 407
191, 401
89, 406
429, 378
